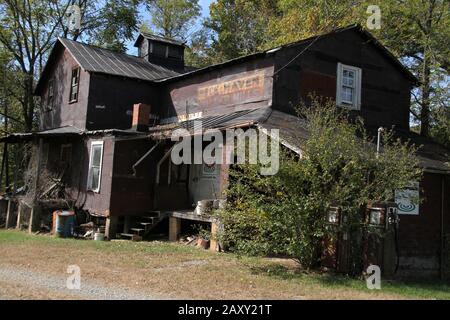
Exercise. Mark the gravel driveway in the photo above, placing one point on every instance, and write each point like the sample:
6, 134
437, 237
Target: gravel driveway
20, 283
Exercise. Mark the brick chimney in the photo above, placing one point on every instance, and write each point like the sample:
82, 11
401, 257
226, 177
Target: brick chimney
141, 117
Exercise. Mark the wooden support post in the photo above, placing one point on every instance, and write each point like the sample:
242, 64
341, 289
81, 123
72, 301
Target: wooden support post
111, 227
9, 214
174, 229
35, 219
19, 215
126, 224
35, 216
214, 242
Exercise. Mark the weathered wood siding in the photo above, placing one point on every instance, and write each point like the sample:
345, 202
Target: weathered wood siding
420, 236
111, 101
243, 86
133, 194
76, 174
65, 113
385, 90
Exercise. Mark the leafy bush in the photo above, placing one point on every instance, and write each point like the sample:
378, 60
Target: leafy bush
286, 213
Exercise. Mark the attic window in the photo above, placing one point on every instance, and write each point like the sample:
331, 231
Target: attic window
50, 94
74, 85
348, 93
159, 50
174, 53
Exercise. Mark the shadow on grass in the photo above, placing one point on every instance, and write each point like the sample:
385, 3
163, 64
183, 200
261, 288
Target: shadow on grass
409, 288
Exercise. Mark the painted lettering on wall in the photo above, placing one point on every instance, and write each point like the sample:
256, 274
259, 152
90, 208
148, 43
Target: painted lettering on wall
240, 85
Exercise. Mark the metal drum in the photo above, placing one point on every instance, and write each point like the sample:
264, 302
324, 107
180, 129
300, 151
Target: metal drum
63, 223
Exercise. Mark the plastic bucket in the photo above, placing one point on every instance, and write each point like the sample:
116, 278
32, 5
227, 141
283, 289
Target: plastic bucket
99, 237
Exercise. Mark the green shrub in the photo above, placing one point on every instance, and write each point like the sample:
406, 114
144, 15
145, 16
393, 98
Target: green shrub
286, 213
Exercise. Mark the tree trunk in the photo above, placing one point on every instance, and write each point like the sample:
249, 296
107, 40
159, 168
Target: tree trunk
28, 102
425, 105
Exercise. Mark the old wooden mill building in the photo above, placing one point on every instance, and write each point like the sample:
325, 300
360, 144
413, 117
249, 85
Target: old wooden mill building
107, 118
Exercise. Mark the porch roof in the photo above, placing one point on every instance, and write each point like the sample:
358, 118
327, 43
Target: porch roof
238, 119
294, 132
66, 131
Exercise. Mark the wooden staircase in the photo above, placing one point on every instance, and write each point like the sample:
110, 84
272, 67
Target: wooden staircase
142, 226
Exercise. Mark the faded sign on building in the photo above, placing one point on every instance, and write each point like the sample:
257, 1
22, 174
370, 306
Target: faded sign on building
253, 83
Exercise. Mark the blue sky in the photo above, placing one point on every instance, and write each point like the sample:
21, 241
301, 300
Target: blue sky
205, 13
205, 6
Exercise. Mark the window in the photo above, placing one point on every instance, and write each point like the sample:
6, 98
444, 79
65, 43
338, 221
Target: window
159, 50
95, 166
175, 53
348, 87
66, 154
45, 151
74, 85
50, 94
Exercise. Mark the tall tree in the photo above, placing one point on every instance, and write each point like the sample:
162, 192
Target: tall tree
415, 30
418, 31
239, 26
27, 31
30, 27
173, 19
298, 20
107, 23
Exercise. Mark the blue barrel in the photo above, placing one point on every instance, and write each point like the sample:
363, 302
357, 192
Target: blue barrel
64, 223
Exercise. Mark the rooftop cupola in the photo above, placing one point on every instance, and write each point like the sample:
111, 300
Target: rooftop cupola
158, 50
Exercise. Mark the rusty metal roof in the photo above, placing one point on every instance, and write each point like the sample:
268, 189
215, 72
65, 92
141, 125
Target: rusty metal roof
66, 131
100, 60
293, 131
432, 155
243, 118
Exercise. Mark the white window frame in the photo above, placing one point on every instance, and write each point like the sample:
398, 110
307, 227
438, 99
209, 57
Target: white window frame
91, 156
356, 105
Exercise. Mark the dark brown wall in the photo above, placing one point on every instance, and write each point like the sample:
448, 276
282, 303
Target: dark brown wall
420, 236
99, 203
76, 175
133, 194
111, 101
65, 113
385, 90
191, 92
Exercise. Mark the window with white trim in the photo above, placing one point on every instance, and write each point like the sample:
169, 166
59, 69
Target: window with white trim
74, 85
95, 166
348, 93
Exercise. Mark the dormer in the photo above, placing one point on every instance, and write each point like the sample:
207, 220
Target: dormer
158, 50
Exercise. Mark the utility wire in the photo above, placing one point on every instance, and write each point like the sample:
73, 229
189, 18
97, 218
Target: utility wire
314, 40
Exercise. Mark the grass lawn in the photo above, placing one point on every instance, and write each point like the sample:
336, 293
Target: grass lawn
180, 271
